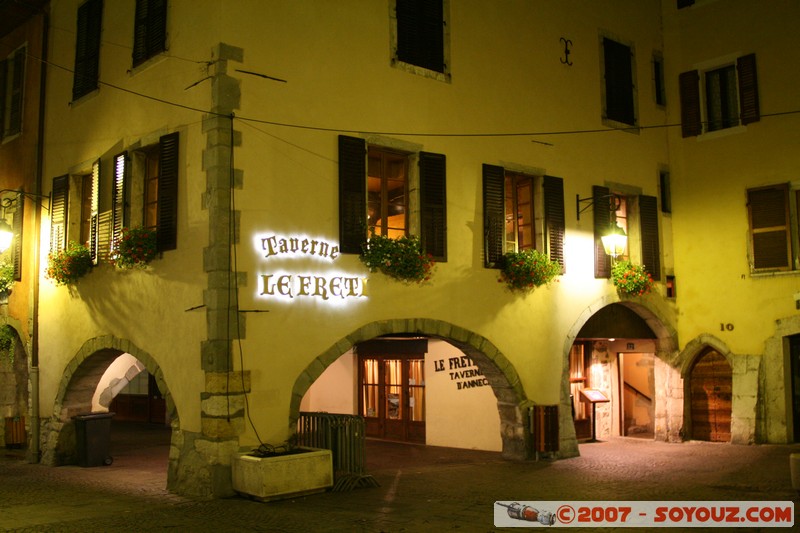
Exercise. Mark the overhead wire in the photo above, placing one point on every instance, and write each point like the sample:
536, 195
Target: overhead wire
362, 131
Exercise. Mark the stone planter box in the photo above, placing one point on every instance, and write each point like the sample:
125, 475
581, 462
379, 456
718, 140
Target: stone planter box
283, 476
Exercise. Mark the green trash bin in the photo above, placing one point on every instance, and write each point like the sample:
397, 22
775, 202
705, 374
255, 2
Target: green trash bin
93, 433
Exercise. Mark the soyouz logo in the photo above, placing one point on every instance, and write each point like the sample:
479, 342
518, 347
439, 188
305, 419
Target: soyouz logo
291, 285
644, 514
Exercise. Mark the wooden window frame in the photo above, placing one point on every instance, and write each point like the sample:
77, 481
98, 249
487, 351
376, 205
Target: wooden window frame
769, 212
642, 228
386, 158
432, 191
547, 216
694, 107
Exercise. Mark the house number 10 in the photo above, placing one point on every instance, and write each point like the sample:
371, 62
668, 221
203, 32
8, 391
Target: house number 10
725, 327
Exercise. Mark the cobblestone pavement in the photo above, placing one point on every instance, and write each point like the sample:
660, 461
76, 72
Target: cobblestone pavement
421, 489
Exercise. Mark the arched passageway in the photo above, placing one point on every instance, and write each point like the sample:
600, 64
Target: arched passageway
86, 387
492, 366
621, 377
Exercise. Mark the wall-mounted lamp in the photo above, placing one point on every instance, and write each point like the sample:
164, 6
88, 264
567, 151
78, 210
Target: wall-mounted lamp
614, 202
6, 231
614, 243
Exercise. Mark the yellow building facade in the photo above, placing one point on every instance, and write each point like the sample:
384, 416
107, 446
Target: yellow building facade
264, 142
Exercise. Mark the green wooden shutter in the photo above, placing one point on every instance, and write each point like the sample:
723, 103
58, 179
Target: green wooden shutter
770, 236
602, 223
59, 202
150, 30
94, 245
118, 196
748, 89
648, 222
691, 118
554, 219
87, 48
3, 88
433, 204
493, 214
16, 226
17, 87
618, 81
420, 33
352, 194
167, 234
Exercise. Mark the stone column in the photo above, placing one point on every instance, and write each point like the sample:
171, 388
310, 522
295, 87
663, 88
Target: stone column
201, 463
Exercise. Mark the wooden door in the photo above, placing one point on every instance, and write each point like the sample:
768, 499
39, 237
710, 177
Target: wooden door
711, 391
392, 397
794, 356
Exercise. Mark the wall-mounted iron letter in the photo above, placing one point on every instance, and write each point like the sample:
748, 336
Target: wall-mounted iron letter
567, 44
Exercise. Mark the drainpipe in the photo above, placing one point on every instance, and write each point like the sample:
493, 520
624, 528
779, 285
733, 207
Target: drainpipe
34, 453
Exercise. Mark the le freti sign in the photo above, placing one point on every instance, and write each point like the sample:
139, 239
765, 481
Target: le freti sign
325, 286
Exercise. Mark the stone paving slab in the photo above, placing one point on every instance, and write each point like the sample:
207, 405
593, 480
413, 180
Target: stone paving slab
440, 490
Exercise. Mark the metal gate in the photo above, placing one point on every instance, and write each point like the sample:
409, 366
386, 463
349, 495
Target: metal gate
345, 436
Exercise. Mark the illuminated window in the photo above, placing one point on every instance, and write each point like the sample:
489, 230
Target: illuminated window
375, 187
637, 214
519, 213
522, 212
155, 173
387, 193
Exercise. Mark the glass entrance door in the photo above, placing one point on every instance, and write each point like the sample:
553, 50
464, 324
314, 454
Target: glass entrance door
392, 397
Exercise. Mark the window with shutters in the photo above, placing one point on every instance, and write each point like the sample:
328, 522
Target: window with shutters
150, 30
637, 215
772, 234
87, 48
388, 191
619, 87
16, 209
720, 97
522, 212
420, 37
145, 191
12, 85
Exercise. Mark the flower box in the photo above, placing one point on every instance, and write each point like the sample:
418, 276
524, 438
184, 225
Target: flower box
296, 473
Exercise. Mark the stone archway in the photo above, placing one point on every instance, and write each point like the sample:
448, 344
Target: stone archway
669, 408
512, 403
77, 387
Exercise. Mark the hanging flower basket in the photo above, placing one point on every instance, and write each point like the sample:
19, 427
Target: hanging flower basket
69, 265
400, 258
135, 248
630, 279
524, 271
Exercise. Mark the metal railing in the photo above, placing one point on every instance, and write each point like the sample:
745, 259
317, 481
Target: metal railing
345, 436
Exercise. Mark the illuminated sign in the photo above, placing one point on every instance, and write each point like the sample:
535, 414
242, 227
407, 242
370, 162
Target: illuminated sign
296, 285
274, 245
325, 286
